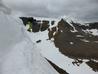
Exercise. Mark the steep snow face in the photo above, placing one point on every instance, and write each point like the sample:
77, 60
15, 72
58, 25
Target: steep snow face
3, 8
10, 32
18, 55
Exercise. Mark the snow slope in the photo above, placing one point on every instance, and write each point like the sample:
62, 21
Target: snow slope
18, 54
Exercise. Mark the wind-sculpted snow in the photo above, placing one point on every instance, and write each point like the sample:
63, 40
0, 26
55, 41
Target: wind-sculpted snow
18, 54
3, 8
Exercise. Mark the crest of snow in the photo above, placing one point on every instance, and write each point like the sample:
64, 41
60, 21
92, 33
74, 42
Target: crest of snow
18, 55
9, 35
3, 8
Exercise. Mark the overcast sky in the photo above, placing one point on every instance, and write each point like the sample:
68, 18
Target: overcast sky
80, 9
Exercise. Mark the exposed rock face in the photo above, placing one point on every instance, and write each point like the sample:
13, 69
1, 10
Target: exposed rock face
73, 46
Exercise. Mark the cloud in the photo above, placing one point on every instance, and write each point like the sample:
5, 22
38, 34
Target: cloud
82, 9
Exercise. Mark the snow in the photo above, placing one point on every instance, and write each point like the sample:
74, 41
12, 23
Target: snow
24, 59
18, 54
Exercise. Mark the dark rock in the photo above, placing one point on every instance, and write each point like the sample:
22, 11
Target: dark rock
73, 46
38, 41
26, 20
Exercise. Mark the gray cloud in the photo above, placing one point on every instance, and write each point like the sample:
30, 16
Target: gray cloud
85, 10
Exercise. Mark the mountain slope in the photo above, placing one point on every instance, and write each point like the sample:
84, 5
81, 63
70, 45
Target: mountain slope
62, 34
